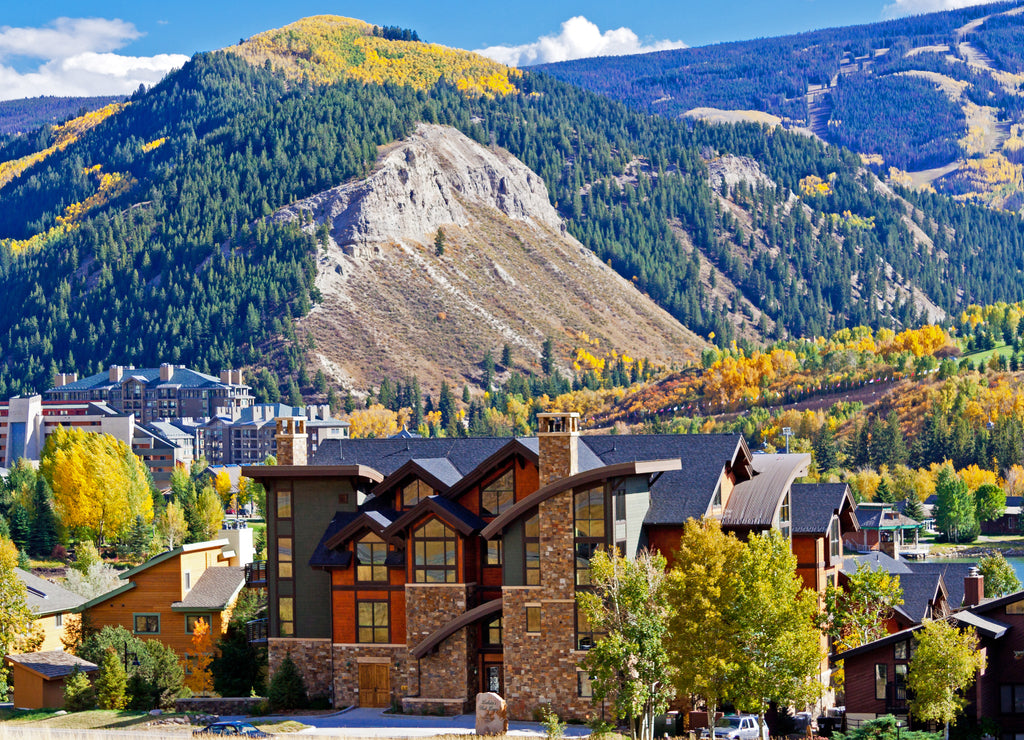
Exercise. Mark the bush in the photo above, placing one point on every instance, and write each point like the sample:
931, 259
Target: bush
79, 695
554, 727
112, 683
155, 675
287, 689
884, 728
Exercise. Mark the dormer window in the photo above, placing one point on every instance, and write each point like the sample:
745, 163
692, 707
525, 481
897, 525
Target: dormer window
499, 495
835, 543
433, 547
415, 492
371, 552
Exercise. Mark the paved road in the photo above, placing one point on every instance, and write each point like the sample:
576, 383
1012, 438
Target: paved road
369, 723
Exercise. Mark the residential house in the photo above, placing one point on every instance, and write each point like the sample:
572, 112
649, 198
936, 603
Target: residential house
51, 605
164, 597
885, 527
421, 571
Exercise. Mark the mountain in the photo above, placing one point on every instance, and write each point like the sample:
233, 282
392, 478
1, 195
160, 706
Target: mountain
149, 235
508, 273
29, 114
932, 100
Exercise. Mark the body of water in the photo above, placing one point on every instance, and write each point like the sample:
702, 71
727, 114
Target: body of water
1016, 561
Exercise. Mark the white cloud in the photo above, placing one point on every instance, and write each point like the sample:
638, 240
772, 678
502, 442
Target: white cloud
916, 7
77, 58
579, 38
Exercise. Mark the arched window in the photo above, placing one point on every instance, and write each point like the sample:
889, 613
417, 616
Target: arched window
433, 547
371, 552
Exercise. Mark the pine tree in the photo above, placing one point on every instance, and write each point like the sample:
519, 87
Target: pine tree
287, 688
488, 379
43, 537
506, 356
439, 241
112, 683
20, 525
547, 357
446, 404
79, 694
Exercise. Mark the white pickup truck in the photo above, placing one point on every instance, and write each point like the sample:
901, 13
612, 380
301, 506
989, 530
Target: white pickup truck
739, 727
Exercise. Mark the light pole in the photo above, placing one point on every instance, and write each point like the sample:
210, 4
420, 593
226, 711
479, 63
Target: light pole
787, 432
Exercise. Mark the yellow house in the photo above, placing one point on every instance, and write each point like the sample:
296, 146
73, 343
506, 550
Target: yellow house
164, 597
51, 604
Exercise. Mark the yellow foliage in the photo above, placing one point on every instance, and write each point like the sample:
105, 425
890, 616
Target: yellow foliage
324, 49
200, 678
974, 477
376, 421
150, 146
813, 185
865, 482
64, 136
98, 483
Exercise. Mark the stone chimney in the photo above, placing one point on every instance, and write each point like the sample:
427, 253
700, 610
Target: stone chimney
225, 376
291, 440
558, 440
116, 373
974, 588
62, 379
166, 372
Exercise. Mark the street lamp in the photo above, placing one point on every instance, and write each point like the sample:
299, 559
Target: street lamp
899, 726
135, 657
787, 432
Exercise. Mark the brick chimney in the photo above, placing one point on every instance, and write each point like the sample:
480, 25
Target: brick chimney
558, 440
166, 372
116, 373
974, 588
291, 440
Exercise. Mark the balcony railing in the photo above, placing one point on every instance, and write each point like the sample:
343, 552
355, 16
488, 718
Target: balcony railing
256, 574
256, 630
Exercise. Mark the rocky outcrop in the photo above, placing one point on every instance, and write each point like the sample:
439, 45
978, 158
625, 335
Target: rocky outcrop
424, 183
508, 274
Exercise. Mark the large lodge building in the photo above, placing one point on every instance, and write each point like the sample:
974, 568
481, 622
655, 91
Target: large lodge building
418, 572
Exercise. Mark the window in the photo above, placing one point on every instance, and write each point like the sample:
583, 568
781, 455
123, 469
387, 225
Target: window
900, 687
900, 651
188, 580
58, 620
191, 619
415, 492
499, 495
881, 679
372, 621
284, 557
1016, 607
1011, 698
585, 636
146, 624
371, 552
492, 632
785, 521
286, 615
494, 679
531, 531
492, 555
590, 530
835, 544
533, 618
433, 553
584, 689
284, 504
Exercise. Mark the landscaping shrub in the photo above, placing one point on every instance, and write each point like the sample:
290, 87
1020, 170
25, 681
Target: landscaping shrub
287, 689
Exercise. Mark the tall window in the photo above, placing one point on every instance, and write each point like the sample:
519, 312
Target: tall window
834, 542
284, 557
499, 495
492, 632
286, 615
785, 520
415, 492
881, 679
433, 553
371, 552
590, 530
372, 621
531, 531
492, 552
284, 504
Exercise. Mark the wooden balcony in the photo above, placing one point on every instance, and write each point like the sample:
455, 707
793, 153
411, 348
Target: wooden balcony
256, 574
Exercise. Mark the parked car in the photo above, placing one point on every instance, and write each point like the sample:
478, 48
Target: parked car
238, 729
739, 727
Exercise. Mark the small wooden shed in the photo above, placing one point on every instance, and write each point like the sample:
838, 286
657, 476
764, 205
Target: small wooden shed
39, 677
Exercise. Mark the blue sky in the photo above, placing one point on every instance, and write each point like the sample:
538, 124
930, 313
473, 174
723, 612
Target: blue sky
84, 47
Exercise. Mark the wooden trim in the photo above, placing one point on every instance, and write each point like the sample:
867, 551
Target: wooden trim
382, 660
370, 586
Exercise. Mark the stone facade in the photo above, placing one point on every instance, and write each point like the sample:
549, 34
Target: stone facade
447, 674
347, 658
311, 657
292, 440
217, 705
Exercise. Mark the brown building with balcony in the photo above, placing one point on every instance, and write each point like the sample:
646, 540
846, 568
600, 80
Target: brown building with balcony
422, 571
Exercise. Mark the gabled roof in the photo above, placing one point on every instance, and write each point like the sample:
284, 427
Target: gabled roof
450, 512
525, 446
953, 575
990, 628
876, 560
351, 523
52, 664
104, 597
753, 502
814, 505
45, 597
885, 518
437, 472
387, 455
868, 647
215, 590
168, 554
920, 591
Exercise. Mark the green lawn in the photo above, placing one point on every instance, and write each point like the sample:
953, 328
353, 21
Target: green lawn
92, 720
1003, 349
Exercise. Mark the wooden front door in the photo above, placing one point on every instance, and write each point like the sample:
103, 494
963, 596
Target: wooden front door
374, 685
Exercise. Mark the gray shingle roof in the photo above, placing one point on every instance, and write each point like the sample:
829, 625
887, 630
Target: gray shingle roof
388, 455
52, 663
439, 467
953, 575
813, 505
45, 597
677, 495
215, 589
322, 556
877, 561
918, 590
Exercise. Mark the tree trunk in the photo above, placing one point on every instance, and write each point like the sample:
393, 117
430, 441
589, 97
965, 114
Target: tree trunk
761, 725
